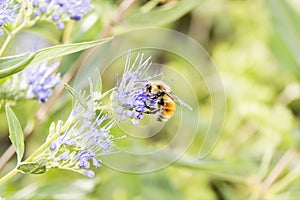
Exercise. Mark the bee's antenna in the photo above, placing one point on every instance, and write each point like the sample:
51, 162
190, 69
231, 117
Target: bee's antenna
171, 80
141, 81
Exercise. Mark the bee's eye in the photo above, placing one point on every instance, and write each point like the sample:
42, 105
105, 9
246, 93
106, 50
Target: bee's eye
159, 94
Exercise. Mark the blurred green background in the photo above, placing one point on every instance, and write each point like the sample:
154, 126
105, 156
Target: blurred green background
255, 46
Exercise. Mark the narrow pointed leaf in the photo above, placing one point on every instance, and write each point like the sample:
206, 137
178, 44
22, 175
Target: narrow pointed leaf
287, 27
76, 95
164, 15
12, 60
15, 133
97, 81
11, 65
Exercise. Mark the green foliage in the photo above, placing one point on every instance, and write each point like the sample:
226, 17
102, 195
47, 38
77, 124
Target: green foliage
14, 64
286, 37
76, 95
255, 46
15, 132
33, 167
12, 60
64, 189
162, 16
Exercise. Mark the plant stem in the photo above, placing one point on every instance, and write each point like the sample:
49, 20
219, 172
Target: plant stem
47, 143
29, 159
284, 161
8, 176
34, 154
41, 148
67, 33
5, 44
17, 27
9, 38
286, 180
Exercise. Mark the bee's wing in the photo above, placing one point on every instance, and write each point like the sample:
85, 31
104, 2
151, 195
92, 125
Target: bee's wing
179, 101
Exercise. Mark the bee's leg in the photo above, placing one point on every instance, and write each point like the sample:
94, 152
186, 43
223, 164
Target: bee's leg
160, 118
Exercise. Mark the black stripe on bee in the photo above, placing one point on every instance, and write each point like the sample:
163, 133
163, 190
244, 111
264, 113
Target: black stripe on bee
160, 118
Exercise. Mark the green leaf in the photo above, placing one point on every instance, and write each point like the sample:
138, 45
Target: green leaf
33, 167
286, 23
11, 65
163, 15
97, 81
282, 53
12, 60
15, 132
76, 95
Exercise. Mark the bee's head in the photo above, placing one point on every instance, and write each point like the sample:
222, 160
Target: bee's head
148, 88
155, 89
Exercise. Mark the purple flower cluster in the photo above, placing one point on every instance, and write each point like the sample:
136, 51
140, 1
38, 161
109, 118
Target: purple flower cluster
8, 12
130, 99
39, 81
85, 140
60, 11
137, 104
34, 82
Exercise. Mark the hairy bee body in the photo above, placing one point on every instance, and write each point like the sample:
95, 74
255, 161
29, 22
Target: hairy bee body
165, 99
167, 108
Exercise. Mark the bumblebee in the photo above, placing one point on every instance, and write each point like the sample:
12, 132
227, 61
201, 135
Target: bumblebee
165, 100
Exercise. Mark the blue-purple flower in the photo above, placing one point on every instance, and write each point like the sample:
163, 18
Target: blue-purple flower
60, 11
39, 81
8, 12
35, 82
130, 99
84, 141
